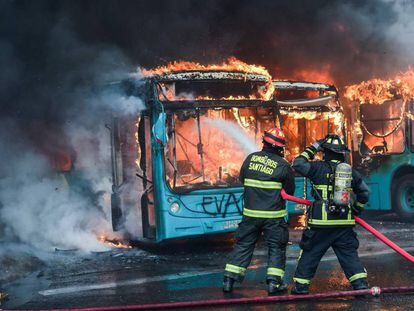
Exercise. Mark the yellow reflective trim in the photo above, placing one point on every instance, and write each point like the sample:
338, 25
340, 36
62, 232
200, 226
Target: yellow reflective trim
275, 271
262, 184
305, 154
235, 269
301, 281
300, 254
264, 214
324, 213
324, 189
331, 222
362, 275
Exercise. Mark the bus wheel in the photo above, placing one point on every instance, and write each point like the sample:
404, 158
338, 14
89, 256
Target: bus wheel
403, 195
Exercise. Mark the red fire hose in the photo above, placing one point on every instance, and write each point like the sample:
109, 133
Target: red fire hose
362, 223
375, 291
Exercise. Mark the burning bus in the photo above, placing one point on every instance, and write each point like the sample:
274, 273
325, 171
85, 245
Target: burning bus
383, 141
309, 112
187, 147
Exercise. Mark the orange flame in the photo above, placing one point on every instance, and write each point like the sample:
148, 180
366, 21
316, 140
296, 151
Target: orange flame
377, 91
302, 222
231, 64
113, 242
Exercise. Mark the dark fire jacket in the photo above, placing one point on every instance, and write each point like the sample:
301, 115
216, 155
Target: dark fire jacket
318, 172
264, 174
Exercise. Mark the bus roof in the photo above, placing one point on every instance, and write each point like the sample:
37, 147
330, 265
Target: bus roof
326, 95
303, 85
208, 76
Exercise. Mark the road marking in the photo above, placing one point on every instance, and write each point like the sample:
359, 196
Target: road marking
83, 288
74, 289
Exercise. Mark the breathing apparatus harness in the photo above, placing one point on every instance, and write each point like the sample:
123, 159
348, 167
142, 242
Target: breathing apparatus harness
339, 189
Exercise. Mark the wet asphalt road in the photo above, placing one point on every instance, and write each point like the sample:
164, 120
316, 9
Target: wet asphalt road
193, 270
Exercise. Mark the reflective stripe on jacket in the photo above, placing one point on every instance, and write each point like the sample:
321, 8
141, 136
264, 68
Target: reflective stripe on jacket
264, 174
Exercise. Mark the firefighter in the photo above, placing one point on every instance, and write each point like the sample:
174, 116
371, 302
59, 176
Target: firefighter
329, 224
264, 174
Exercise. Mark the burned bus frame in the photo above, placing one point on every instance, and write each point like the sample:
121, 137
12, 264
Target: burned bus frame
388, 173
293, 98
168, 214
165, 213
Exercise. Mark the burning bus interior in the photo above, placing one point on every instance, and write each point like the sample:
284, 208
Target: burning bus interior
207, 143
382, 115
309, 112
383, 128
211, 121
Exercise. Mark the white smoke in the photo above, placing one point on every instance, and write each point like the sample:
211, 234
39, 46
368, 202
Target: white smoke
235, 132
45, 208
39, 208
401, 31
48, 209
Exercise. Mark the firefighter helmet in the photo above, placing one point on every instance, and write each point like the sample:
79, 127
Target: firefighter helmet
274, 137
335, 144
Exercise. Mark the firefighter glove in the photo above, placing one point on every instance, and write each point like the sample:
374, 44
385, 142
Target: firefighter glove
318, 145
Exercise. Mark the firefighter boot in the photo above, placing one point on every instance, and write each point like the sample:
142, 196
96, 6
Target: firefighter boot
276, 286
300, 289
228, 284
360, 284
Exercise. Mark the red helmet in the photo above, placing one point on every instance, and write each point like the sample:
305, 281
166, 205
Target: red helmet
274, 137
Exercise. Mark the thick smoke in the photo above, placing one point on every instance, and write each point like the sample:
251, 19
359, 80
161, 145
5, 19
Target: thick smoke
64, 116
402, 31
57, 57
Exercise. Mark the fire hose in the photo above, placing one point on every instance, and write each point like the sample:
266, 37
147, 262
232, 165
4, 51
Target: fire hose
374, 291
362, 223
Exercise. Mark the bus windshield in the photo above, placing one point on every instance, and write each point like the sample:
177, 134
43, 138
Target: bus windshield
383, 128
206, 148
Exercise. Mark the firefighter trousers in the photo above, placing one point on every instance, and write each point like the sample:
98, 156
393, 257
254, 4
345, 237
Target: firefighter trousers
276, 235
315, 243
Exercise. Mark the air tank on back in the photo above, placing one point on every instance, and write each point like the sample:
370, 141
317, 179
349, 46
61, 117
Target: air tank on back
342, 187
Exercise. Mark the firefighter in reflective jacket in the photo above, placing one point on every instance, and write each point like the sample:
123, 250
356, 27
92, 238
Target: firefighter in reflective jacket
329, 224
264, 174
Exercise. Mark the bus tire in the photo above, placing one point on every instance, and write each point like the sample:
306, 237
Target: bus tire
403, 197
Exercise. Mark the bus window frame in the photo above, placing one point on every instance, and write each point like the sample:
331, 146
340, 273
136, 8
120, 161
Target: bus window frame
216, 188
213, 188
403, 123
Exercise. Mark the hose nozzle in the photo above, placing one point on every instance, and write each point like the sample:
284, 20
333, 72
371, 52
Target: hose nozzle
375, 291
